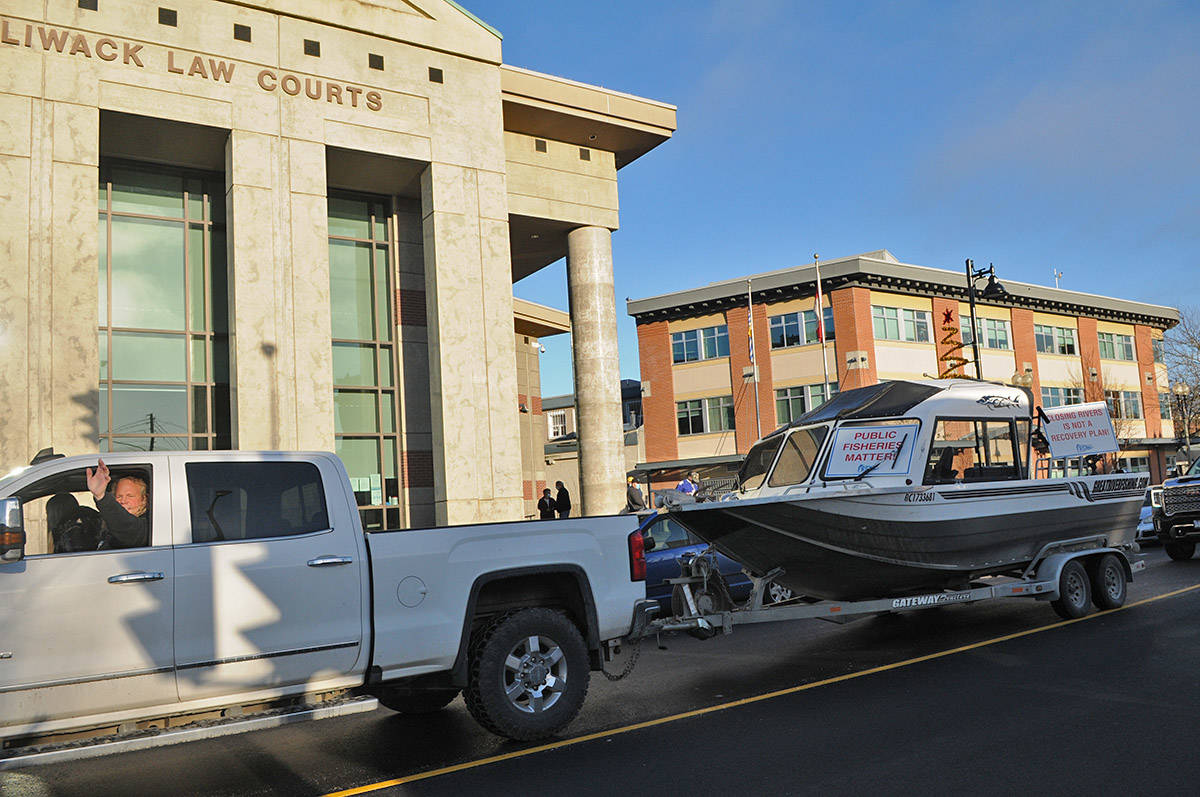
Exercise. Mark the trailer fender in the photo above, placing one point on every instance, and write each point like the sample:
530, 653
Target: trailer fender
1050, 569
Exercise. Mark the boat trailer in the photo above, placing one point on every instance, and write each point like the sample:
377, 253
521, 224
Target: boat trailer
1070, 574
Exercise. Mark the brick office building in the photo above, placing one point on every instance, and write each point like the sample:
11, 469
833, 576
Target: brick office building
704, 405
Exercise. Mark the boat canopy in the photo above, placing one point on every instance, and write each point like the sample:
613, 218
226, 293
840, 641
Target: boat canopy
882, 400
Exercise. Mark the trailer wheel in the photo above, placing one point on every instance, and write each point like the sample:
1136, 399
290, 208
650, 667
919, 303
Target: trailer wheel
414, 701
1180, 550
528, 674
1074, 593
712, 598
1108, 583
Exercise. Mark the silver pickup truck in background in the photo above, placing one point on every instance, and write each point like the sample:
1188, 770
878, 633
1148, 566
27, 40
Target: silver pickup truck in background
257, 583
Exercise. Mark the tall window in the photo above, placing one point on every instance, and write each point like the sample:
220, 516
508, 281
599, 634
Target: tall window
700, 344
1159, 349
1123, 403
800, 328
893, 323
364, 369
164, 332
1054, 340
700, 416
1115, 347
1164, 406
993, 332
558, 423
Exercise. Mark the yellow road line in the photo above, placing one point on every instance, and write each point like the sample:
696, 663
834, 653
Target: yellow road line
433, 773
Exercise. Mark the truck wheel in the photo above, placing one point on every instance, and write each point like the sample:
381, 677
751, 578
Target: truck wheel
1180, 550
407, 700
528, 674
1108, 583
1074, 594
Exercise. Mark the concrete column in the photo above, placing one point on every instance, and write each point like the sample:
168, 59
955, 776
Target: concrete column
597, 370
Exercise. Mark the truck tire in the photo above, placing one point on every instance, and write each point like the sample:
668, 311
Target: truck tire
1180, 550
407, 700
528, 674
1074, 592
1108, 583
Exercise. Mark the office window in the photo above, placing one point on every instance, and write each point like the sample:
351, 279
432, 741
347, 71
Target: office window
892, 323
557, 422
799, 328
1164, 406
700, 344
1115, 347
993, 333
1134, 464
1054, 340
1043, 338
163, 310
792, 402
361, 300
1061, 396
1123, 403
1159, 348
700, 416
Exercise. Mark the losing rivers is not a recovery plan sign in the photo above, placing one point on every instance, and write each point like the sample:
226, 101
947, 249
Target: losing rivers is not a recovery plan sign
1079, 429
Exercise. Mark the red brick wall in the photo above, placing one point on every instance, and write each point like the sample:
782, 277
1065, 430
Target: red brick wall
1142, 344
1089, 353
948, 348
1025, 347
658, 408
766, 378
853, 332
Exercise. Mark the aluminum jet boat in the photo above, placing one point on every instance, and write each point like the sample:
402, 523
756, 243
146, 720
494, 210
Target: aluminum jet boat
906, 487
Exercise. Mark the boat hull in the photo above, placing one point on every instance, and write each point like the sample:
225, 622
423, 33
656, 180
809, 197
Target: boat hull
849, 546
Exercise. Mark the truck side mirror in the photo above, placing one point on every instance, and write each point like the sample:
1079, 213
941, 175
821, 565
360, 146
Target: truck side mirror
12, 530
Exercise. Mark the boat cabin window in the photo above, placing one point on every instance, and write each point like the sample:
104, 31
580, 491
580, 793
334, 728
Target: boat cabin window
798, 456
975, 450
758, 462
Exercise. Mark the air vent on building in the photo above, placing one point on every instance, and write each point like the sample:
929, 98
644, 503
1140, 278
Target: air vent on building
539, 145
585, 154
375, 61
167, 16
88, 5
435, 75
241, 32
312, 48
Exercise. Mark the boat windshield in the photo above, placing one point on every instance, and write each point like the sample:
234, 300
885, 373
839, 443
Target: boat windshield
758, 462
799, 455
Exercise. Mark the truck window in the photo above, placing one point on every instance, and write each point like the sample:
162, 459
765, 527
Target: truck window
668, 533
61, 515
254, 500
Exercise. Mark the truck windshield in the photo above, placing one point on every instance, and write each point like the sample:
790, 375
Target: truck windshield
1194, 470
758, 462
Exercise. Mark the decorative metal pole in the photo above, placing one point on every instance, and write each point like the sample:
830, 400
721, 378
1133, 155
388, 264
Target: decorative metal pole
753, 364
820, 311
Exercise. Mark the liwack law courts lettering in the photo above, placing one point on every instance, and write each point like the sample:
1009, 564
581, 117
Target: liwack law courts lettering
103, 48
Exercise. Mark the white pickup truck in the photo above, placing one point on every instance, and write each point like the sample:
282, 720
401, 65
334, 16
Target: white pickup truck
255, 582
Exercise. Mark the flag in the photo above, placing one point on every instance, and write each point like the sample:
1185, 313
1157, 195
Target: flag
750, 332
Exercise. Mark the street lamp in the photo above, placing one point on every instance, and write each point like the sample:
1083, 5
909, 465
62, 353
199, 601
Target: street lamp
993, 290
1182, 391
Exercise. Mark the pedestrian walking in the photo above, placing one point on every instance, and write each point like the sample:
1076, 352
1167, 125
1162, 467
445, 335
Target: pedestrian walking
562, 500
633, 497
546, 506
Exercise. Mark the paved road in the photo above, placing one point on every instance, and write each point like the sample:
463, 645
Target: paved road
1074, 707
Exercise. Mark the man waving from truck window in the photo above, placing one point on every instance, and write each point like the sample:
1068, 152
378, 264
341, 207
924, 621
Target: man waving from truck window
125, 511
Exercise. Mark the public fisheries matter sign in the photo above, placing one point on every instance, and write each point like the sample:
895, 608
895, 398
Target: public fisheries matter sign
883, 449
1077, 430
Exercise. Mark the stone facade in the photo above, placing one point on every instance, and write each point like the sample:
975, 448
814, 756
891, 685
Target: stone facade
290, 103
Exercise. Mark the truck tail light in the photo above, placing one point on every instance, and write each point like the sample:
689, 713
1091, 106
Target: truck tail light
637, 556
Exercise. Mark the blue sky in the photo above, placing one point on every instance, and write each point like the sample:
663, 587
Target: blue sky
1030, 135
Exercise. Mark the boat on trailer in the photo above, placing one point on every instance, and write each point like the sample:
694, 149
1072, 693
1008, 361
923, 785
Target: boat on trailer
906, 487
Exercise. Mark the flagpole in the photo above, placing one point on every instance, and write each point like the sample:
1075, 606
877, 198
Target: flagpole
753, 364
820, 309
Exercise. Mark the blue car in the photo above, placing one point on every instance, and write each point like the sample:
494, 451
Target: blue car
671, 541
1145, 526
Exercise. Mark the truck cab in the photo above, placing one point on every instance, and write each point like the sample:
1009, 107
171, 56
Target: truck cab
1177, 513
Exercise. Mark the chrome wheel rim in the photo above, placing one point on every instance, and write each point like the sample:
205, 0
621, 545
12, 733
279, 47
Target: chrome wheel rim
535, 674
777, 593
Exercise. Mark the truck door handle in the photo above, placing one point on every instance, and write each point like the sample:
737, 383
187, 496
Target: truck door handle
133, 578
326, 561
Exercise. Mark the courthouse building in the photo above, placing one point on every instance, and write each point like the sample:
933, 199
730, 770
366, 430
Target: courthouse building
705, 404
297, 225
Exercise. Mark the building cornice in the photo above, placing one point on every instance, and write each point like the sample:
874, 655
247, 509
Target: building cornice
886, 274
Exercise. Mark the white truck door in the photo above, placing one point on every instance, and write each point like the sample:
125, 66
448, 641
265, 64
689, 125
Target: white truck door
268, 592
85, 632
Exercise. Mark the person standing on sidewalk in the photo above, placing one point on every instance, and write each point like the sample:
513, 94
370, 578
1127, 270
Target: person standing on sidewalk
546, 506
562, 500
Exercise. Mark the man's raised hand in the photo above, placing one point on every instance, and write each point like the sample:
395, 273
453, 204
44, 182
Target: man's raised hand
97, 482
